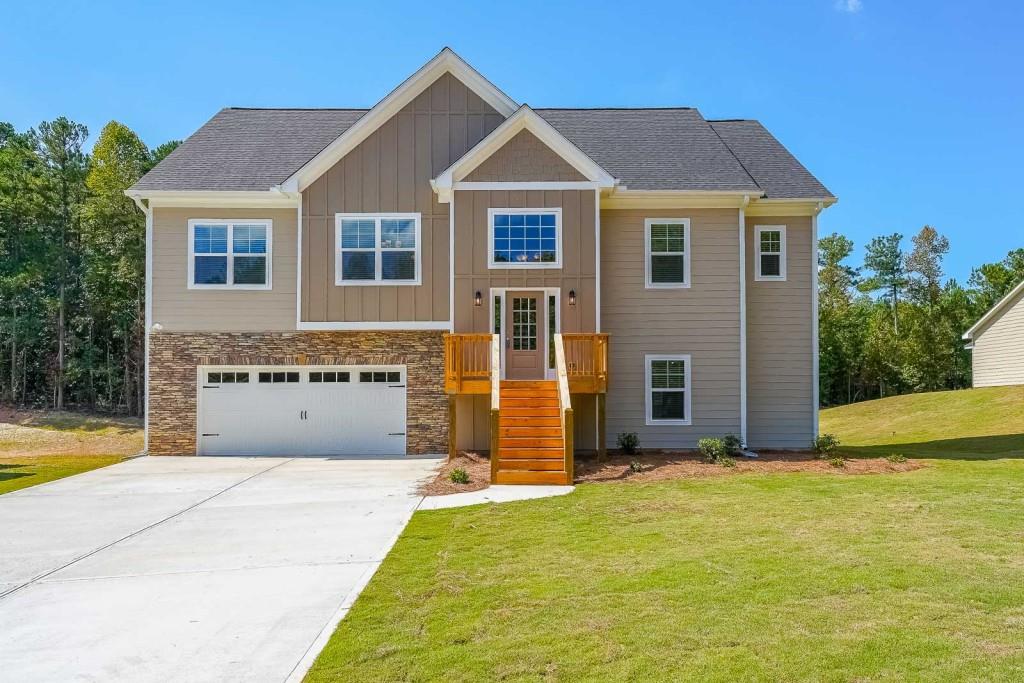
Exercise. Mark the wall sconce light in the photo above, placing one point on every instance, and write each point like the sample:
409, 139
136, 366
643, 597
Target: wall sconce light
572, 297
478, 299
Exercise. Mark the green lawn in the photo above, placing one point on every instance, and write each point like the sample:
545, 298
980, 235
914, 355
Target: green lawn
18, 473
748, 577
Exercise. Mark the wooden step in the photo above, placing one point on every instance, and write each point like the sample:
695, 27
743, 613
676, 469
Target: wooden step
529, 421
532, 442
529, 393
516, 413
546, 464
531, 432
528, 383
531, 454
532, 477
528, 402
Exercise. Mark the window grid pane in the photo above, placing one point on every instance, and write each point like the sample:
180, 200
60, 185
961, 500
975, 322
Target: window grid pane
525, 238
365, 256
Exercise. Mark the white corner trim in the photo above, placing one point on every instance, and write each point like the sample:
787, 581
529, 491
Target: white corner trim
149, 322
597, 261
445, 62
451, 264
377, 250
758, 276
230, 254
687, 248
412, 325
993, 312
687, 389
523, 119
538, 265
298, 265
743, 322
815, 399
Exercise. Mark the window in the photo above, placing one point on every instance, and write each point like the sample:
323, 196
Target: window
327, 377
552, 324
278, 377
389, 377
525, 238
771, 252
377, 249
668, 389
667, 257
227, 377
229, 254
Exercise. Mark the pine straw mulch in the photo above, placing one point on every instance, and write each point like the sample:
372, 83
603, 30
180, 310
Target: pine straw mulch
661, 465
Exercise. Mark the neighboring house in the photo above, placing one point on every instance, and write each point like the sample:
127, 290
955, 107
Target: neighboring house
997, 343
337, 281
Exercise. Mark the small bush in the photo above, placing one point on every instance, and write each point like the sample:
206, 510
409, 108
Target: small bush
896, 458
837, 461
727, 461
732, 444
825, 444
712, 449
459, 476
629, 442
635, 466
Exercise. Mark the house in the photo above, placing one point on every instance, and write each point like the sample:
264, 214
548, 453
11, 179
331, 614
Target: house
997, 343
454, 269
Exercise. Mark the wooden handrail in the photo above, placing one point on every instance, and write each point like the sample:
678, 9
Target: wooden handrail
565, 404
586, 355
467, 364
495, 404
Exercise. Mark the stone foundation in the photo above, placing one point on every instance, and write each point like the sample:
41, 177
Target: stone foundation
174, 357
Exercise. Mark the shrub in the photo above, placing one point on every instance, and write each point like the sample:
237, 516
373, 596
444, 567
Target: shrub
629, 442
837, 461
896, 458
825, 444
712, 449
732, 444
635, 466
459, 476
727, 461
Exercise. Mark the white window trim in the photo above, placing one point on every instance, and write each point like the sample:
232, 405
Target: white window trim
758, 229
685, 284
557, 263
231, 223
377, 250
687, 390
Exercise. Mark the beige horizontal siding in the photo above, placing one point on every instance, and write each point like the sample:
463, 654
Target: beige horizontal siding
779, 350
702, 321
180, 309
998, 357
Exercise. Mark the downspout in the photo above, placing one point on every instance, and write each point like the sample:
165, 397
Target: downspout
743, 319
815, 398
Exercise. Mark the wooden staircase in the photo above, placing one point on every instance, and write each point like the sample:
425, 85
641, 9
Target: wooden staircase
531, 443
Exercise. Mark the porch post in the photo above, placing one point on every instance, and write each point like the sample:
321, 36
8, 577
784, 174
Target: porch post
451, 426
602, 451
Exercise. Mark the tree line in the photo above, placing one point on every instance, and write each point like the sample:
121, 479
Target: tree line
72, 267
72, 285
894, 324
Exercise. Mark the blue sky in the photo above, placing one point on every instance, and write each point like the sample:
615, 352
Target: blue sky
911, 112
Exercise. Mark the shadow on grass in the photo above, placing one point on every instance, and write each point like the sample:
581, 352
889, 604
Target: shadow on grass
997, 447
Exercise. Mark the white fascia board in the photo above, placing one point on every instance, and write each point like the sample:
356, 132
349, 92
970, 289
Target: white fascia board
789, 207
993, 312
677, 199
523, 119
216, 199
445, 62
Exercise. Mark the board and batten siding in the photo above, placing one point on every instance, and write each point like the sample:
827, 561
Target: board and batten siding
177, 308
702, 321
390, 171
780, 371
998, 356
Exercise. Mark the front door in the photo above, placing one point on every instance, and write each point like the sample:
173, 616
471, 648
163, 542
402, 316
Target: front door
524, 335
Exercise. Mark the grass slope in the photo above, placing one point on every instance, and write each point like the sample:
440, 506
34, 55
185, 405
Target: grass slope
36, 446
750, 577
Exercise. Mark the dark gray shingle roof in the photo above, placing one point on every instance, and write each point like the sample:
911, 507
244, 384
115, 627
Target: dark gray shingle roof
248, 149
653, 149
771, 165
646, 149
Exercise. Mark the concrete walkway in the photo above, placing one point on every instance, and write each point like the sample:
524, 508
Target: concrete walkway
493, 494
193, 569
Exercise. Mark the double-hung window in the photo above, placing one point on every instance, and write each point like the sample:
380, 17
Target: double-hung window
668, 389
771, 252
525, 238
229, 254
667, 257
377, 249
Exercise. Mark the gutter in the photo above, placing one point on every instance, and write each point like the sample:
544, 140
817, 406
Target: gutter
743, 319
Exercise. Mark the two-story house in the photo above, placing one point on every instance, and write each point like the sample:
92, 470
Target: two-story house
451, 269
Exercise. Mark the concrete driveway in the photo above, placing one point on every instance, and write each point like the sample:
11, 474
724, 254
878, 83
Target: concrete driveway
192, 569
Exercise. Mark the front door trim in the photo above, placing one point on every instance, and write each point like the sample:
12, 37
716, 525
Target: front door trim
499, 293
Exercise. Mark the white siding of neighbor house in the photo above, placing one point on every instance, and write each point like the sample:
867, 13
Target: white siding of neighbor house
998, 357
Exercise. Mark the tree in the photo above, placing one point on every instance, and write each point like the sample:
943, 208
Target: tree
992, 281
884, 258
924, 266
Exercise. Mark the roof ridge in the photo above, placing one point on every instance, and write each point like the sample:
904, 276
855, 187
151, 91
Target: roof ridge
732, 120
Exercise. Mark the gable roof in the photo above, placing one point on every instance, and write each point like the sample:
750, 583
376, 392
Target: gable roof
770, 164
997, 311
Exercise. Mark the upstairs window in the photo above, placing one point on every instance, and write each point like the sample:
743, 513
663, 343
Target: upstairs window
667, 258
229, 254
668, 389
525, 238
771, 252
377, 249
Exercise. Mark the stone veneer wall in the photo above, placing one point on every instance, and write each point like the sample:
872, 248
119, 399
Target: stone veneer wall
175, 355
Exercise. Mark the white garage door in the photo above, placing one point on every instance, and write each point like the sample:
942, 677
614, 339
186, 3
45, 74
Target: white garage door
345, 410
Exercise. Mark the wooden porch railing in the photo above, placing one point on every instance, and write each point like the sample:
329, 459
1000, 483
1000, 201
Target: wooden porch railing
586, 362
467, 361
565, 407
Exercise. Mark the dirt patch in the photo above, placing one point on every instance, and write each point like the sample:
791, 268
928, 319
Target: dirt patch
662, 465
27, 433
477, 466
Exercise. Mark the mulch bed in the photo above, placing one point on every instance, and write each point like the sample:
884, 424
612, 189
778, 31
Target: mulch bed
660, 465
